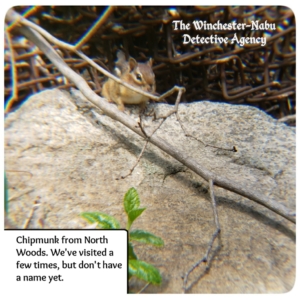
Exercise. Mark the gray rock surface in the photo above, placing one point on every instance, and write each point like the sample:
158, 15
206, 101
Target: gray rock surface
74, 153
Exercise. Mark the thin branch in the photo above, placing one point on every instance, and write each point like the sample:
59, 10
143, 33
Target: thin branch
204, 259
172, 111
18, 171
115, 114
143, 288
288, 119
136, 163
36, 204
14, 78
101, 20
233, 149
146, 143
20, 195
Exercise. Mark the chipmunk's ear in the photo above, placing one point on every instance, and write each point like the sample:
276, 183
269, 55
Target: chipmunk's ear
121, 56
150, 62
132, 64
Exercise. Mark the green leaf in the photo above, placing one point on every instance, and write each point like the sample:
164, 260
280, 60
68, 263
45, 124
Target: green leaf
131, 254
131, 200
133, 214
104, 221
144, 271
145, 237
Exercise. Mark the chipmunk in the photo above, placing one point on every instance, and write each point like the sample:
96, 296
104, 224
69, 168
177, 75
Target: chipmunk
139, 75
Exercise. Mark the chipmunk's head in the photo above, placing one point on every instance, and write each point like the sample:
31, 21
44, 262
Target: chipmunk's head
142, 75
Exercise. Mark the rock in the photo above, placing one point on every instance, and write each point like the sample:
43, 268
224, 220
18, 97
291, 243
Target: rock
74, 154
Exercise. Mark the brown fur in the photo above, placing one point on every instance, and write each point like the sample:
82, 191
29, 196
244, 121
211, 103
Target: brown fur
139, 75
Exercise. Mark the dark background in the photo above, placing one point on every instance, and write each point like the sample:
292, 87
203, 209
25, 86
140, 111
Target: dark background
254, 75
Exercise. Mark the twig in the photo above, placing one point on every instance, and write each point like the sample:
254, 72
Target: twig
172, 111
34, 207
136, 163
288, 119
233, 149
14, 79
115, 114
149, 136
146, 143
101, 20
204, 259
143, 288
18, 171
20, 195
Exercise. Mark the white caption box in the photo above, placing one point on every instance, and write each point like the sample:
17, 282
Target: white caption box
65, 263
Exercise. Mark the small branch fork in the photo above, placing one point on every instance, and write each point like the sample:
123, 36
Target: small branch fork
163, 119
204, 259
148, 137
233, 149
137, 161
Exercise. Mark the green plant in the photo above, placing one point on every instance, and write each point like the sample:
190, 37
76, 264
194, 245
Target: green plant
136, 267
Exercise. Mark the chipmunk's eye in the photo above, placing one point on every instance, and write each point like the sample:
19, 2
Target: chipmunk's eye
139, 77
